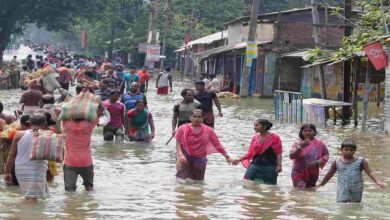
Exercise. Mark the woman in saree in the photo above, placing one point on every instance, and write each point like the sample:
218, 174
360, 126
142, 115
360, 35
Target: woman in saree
140, 119
264, 157
194, 141
309, 154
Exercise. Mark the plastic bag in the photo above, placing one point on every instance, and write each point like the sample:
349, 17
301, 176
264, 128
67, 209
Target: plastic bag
105, 118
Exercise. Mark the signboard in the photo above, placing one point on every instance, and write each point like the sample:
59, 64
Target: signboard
376, 55
142, 48
153, 53
83, 39
251, 52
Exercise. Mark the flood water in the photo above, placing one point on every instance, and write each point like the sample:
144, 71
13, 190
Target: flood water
137, 181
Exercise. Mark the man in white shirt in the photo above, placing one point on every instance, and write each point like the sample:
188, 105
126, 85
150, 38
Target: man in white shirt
215, 84
206, 81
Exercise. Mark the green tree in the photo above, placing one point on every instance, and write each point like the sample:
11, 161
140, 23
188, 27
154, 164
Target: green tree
51, 14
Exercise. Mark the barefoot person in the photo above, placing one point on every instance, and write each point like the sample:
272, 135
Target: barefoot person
194, 142
350, 179
31, 175
264, 157
309, 154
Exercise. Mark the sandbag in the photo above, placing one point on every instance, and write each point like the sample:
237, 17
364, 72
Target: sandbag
83, 106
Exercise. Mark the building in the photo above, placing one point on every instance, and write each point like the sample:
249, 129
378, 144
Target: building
278, 33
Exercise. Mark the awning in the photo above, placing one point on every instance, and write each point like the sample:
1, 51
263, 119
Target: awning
225, 48
296, 54
317, 63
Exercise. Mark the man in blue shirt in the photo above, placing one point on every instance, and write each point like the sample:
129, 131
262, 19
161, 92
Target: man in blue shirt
129, 78
129, 99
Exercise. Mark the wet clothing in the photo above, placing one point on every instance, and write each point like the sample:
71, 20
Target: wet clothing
194, 169
143, 78
199, 143
196, 145
163, 90
184, 110
31, 175
110, 131
139, 125
261, 159
77, 143
206, 99
116, 110
71, 174
163, 80
350, 181
302, 175
129, 99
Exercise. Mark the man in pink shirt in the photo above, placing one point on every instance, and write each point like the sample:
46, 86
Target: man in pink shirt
78, 159
117, 112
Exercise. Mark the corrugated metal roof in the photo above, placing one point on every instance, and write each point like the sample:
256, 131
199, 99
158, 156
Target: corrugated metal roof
225, 48
206, 40
302, 54
282, 12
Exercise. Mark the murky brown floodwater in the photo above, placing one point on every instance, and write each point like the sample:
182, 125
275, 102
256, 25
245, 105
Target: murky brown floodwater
137, 181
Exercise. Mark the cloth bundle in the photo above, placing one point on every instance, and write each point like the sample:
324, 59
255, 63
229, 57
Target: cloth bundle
47, 145
83, 106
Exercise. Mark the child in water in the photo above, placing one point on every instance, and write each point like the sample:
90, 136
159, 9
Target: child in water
350, 178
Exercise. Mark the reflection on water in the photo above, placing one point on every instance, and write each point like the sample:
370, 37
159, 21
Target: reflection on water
135, 180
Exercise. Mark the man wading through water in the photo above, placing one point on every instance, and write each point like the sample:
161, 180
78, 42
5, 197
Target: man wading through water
206, 98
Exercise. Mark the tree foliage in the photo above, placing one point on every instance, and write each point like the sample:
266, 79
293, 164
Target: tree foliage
369, 28
50, 14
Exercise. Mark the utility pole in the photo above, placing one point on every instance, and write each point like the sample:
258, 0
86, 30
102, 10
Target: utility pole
387, 91
347, 63
250, 47
152, 26
317, 42
167, 15
191, 23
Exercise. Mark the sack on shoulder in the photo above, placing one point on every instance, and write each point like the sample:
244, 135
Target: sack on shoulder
47, 145
82, 106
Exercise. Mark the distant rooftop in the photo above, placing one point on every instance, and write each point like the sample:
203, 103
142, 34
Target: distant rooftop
207, 39
259, 16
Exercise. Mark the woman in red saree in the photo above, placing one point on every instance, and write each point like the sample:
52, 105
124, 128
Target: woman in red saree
309, 154
194, 141
264, 157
